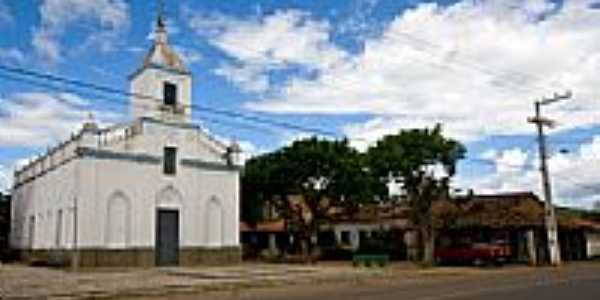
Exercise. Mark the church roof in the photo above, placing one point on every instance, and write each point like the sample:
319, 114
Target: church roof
161, 55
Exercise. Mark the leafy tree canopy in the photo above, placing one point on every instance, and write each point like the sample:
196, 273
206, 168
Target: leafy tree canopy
317, 169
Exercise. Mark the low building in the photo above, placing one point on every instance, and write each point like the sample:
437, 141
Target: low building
341, 235
516, 219
265, 239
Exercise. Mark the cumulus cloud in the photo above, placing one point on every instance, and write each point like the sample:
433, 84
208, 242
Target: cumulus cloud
251, 78
512, 160
7, 171
109, 18
33, 120
11, 55
189, 55
5, 178
41, 119
574, 175
475, 66
267, 43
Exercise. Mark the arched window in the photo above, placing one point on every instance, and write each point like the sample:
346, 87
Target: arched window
214, 220
169, 197
118, 225
59, 228
31, 232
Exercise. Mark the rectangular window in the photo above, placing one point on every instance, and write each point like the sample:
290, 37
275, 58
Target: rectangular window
170, 94
170, 161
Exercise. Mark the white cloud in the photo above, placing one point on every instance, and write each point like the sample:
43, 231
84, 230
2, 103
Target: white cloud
189, 55
510, 161
7, 171
575, 176
46, 46
249, 78
5, 178
109, 18
250, 150
41, 119
475, 66
265, 43
11, 55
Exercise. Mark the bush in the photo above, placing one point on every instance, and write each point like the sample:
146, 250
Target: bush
373, 247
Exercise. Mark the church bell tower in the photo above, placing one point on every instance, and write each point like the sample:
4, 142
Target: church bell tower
162, 86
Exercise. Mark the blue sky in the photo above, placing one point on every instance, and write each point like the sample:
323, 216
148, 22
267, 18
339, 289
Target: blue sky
360, 68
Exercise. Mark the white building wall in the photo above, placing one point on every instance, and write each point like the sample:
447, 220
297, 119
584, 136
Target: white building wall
149, 83
42, 198
86, 185
147, 188
593, 244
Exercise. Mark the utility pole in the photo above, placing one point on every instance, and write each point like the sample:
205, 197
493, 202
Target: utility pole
549, 213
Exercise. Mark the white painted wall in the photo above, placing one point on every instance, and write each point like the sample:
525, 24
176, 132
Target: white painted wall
44, 198
593, 244
190, 191
354, 229
149, 82
117, 199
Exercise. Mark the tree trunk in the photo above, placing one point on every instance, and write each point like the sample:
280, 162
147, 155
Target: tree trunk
428, 235
305, 249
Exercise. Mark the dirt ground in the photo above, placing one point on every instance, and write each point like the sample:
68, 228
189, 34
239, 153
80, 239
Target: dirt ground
23, 282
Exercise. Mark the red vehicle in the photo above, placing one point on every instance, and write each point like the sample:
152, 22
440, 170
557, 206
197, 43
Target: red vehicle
475, 253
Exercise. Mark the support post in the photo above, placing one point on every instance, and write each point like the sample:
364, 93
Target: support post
549, 213
531, 247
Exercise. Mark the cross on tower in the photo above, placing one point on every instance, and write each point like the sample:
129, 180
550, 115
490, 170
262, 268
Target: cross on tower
160, 16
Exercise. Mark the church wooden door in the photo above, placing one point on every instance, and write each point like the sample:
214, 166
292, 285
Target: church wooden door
167, 237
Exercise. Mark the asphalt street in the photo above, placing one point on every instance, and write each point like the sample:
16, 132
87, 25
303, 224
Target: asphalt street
575, 282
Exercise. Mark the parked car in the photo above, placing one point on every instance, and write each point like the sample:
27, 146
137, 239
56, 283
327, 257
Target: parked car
476, 253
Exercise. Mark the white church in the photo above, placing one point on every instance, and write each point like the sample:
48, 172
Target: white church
158, 191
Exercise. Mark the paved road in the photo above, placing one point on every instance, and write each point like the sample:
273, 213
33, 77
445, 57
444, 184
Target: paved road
582, 289
576, 282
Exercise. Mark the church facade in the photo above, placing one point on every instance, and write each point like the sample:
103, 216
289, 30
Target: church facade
157, 191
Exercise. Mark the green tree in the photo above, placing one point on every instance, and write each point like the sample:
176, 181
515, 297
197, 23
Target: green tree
411, 155
325, 173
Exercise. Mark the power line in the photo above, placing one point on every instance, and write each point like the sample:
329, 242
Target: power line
197, 108
495, 163
109, 90
49, 87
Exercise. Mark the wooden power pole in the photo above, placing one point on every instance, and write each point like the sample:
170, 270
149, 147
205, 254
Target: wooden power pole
549, 213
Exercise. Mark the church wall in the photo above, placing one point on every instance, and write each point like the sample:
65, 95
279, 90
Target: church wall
142, 184
143, 181
43, 210
115, 184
